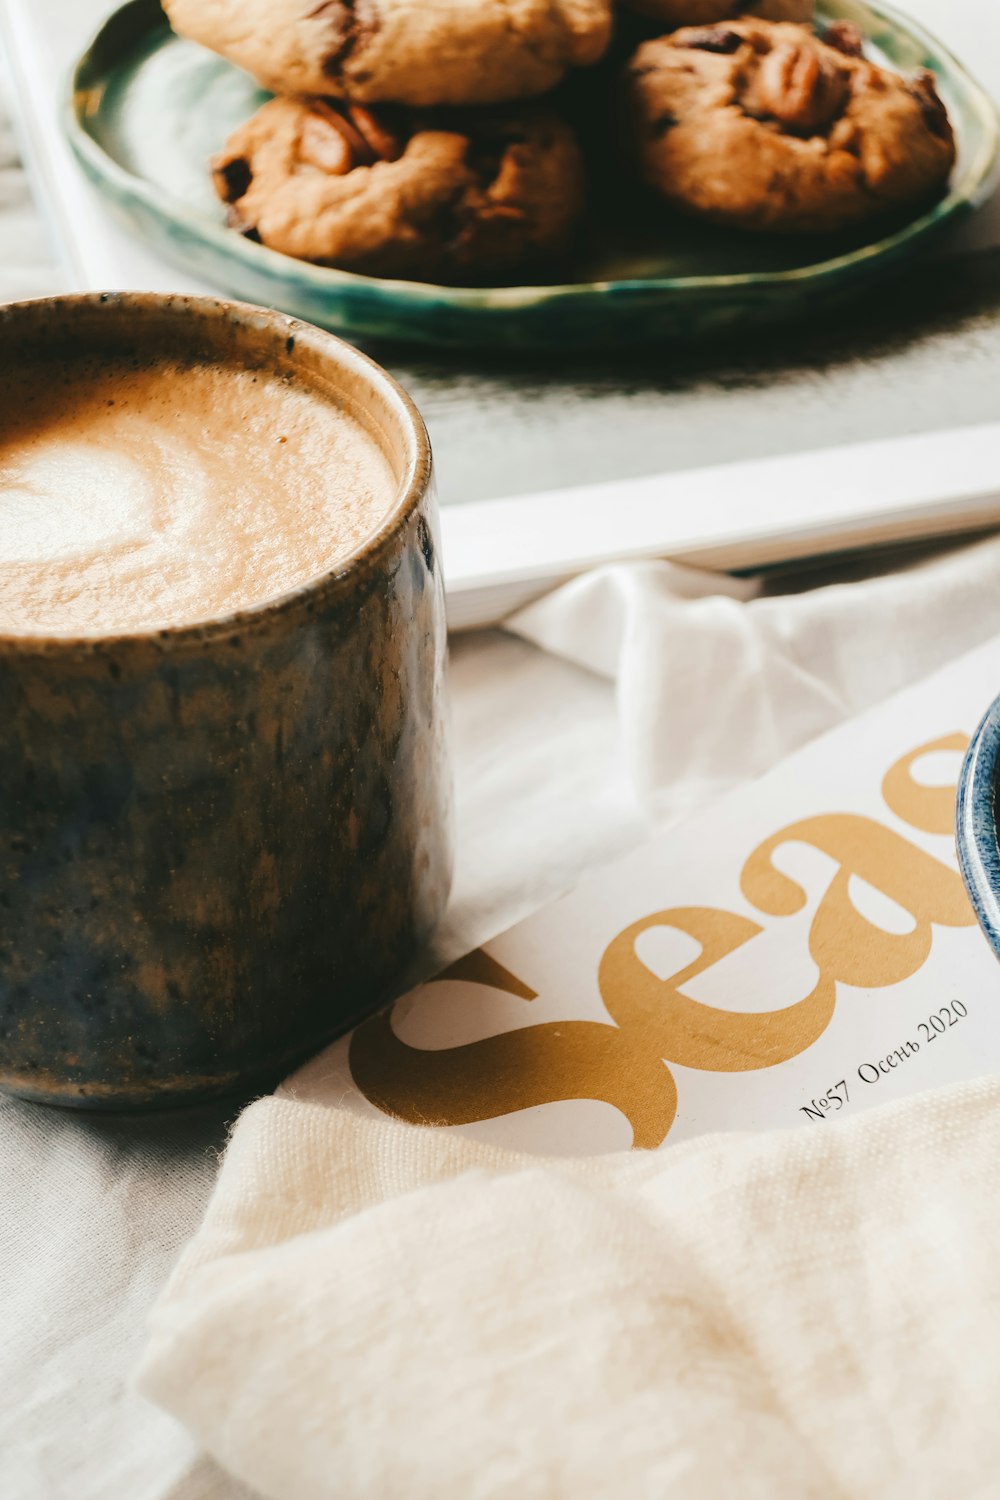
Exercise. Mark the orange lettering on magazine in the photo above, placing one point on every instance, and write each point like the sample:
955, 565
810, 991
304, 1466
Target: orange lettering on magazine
625, 1063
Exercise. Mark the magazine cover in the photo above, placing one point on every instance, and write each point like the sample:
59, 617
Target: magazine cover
802, 949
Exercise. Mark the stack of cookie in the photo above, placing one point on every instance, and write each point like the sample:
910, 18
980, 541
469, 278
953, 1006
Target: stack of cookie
426, 139
398, 144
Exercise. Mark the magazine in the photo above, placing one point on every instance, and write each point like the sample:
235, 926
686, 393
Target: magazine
803, 949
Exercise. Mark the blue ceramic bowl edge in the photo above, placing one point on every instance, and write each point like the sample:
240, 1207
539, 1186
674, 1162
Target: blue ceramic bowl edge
976, 838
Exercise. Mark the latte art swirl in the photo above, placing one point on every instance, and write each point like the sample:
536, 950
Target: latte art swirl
135, 499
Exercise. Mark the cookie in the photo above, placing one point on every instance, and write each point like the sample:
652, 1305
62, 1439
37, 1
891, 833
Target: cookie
449, 52
461, 199
761, 125
705, 12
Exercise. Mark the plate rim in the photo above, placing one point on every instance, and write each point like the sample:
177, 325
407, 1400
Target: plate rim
978, 179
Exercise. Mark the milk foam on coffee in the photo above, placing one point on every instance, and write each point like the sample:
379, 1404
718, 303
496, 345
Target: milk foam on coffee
135, 496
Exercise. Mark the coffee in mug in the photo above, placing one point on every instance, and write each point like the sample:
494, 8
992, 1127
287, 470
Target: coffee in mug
224, 793
138, 493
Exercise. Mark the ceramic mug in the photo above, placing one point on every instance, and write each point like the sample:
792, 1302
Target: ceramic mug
220, 843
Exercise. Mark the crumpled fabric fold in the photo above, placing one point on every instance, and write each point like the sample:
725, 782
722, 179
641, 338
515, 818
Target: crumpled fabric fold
373, 1309
716, 678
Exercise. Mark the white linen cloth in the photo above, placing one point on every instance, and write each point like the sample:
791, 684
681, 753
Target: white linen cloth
374, 1309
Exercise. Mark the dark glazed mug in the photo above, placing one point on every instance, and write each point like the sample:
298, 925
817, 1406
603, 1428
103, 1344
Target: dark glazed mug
221, 843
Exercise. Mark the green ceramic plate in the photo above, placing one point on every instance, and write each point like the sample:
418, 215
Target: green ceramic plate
148, 110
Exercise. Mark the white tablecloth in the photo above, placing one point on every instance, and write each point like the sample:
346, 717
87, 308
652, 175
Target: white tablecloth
642, 702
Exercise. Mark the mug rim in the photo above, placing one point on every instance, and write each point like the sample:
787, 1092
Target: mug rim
976, 837
349, 569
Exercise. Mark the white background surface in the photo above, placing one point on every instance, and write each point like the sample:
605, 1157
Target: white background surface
564, 757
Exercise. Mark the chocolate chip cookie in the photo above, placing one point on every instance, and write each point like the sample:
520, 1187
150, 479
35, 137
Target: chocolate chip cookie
764, 126
449, 52
461, 198
702, 12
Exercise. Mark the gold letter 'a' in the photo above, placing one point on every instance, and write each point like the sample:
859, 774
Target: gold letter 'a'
843, 943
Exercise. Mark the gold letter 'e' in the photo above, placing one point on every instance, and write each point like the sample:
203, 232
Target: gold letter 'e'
515, 1070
